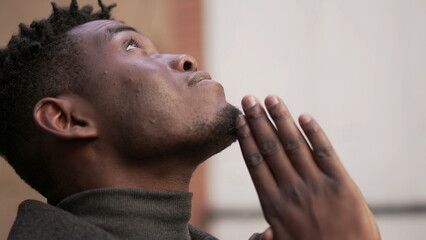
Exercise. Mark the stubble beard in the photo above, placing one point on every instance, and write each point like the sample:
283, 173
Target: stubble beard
205, 138
218, 134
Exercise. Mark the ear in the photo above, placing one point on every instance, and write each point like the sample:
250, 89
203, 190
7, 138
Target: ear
64, 118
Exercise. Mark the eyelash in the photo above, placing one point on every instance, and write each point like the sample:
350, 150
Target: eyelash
132, 42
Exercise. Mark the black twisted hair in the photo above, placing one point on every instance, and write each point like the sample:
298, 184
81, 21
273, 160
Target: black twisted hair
40, 61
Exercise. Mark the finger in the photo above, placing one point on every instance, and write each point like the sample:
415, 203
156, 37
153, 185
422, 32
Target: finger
267, 234
323, 152
260, 173
295, 146
267, 141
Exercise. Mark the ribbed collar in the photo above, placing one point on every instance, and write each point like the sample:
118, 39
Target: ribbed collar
134, 213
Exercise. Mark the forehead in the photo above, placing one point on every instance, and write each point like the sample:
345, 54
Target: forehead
101, 29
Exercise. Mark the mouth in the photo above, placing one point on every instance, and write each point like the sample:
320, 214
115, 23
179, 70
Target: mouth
198, 77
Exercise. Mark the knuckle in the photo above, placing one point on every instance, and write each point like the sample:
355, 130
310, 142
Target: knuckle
342, 187
312, 129
291, 145
268, 147
254, 114
278, 113
323, 153
337, 187
255, 117
243, 132
253, 160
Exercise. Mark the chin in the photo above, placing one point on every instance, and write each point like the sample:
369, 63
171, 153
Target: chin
209, 136
221, 133
223, 145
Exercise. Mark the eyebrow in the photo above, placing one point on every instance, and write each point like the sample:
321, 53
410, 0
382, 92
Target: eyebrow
110, 32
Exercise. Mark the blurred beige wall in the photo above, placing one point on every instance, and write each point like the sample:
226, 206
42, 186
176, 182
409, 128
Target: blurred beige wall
155, 18
358, 67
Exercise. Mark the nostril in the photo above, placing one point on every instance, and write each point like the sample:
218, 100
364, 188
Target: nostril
183, 63
187, 66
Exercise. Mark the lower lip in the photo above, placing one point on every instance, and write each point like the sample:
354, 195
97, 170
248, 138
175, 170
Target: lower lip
205, 82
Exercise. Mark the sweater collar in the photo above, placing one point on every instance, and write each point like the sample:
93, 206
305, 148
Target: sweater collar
134, 213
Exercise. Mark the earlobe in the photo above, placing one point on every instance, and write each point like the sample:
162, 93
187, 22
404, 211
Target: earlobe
59, 117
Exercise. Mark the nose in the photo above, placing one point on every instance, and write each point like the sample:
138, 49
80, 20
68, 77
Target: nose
183, 63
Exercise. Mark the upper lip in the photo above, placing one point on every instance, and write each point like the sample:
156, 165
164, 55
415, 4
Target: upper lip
198, 77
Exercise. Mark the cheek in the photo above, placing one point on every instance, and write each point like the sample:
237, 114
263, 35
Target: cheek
155, 106
156, 121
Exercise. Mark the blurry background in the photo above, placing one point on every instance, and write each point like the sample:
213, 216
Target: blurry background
358, 66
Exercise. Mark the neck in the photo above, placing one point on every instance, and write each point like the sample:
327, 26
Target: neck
166, 176
165, 172
109, 172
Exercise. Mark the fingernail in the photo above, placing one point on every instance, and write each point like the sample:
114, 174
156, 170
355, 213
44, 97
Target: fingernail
305, 118
271, 101
249, 102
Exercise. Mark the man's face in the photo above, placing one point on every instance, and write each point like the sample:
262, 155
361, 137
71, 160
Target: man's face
148, 104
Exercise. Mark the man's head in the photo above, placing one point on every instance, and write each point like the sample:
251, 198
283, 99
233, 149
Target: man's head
80, 86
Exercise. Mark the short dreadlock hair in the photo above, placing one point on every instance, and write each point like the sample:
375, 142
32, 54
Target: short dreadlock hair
40, 61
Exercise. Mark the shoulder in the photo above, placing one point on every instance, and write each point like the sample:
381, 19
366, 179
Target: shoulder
38, 220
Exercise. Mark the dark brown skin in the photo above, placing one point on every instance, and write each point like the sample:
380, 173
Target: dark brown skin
305, 192
139, 123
